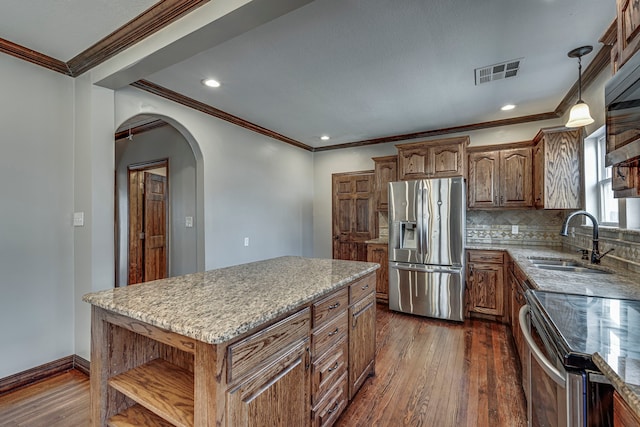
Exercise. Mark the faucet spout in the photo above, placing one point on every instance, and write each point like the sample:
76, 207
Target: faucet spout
595, 253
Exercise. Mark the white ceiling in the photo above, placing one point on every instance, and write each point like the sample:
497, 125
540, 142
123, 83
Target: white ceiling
356, 69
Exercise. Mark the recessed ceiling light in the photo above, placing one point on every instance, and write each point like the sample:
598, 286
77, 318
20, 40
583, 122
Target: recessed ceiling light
508, 107
211, 83
325, 137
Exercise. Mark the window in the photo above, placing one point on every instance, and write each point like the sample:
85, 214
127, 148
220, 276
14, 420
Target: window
607, 205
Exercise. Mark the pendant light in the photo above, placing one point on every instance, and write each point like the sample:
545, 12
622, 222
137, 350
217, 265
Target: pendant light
579, 114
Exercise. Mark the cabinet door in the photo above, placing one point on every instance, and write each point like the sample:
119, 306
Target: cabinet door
414, 163
362, 342
447, 161
483, 180
487, 288
538, 175
385, 171
562, 170
516, 178
379, 254
275, 395
628, 12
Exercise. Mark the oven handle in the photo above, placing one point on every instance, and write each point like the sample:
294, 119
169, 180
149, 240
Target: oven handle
546, 365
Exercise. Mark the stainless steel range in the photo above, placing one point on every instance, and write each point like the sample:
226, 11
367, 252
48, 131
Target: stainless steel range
563, 331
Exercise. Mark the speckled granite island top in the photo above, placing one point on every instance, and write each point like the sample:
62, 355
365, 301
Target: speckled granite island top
218, 305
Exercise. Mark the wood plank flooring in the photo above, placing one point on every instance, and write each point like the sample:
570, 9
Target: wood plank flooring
438, 373
428, 373
59, 401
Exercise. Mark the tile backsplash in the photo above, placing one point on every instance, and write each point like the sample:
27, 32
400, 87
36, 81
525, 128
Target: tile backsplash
625, 245
535, 227
542, 228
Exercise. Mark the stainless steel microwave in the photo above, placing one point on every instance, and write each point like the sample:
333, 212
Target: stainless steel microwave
622, 103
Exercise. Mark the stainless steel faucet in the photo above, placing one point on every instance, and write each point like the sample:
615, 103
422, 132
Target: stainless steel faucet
595, 253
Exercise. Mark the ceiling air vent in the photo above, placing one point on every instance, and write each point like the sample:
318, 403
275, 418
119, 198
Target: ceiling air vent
503, 70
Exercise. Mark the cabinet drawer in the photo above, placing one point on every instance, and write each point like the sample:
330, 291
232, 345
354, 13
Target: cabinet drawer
329, 334
329, 409
327, 369
257, 349
328, 308
494, 257
362, 287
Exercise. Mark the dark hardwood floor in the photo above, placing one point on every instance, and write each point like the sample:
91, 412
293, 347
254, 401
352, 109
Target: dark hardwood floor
428, 373
438, 373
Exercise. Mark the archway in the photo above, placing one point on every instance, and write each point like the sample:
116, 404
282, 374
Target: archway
142, 141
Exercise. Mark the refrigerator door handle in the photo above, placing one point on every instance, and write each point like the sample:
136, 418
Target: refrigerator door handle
425, 269
419, 207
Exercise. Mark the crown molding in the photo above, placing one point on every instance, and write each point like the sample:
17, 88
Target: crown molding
146, 127
34, 57
212, 111
142, 26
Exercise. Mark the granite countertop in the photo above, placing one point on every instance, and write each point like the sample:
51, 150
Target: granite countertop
622, 370
216, 306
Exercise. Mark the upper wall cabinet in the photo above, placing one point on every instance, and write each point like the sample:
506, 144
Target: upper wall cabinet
441, 158
628, 29
557, 166
500, 178
385, 171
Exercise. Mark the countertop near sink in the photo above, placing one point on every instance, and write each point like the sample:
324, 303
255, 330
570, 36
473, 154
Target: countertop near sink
624, 374
618, 284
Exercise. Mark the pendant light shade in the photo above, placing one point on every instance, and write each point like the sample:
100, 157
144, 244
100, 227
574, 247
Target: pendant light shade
579, 115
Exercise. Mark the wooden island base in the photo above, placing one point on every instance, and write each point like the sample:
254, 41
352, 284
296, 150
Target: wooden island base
299, 369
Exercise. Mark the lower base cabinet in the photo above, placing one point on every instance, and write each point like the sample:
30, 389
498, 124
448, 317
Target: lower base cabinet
362, 342
379, 253
485, 284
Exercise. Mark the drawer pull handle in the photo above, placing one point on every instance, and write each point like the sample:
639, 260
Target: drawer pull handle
333, 333
336, 305
365, 287
334, 409
333, 368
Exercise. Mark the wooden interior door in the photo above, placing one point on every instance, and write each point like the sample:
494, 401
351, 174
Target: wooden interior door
155, 220
354, 217
147, 223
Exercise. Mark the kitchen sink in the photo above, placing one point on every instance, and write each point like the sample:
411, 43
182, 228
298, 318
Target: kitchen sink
559, 262
564, 265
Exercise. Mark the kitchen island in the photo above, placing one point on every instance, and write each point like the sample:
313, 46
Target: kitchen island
286, 341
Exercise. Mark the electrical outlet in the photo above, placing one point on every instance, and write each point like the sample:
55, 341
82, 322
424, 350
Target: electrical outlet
246, 241
514, 229
188, 221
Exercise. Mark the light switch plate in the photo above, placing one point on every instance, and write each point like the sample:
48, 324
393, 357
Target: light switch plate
246, 241
188, 221
78, 219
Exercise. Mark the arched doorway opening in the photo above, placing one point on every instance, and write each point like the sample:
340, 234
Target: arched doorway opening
156, 201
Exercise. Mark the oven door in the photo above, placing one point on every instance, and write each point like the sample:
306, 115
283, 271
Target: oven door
548, 381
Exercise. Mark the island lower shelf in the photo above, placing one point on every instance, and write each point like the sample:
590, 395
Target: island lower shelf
145, 375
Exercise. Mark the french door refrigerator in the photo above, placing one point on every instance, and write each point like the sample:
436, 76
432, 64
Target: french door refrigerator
426, 247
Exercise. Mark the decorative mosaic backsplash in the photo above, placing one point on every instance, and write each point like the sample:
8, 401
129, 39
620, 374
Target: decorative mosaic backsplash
625, 245
535, 227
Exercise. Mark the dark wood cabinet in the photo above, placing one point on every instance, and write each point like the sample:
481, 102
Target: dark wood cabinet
353, 213
379, 253
362, 332
628, 26
500, 178
557, 166
625, 179
440, 158
516, 286
623, 415
385, 171
485, 284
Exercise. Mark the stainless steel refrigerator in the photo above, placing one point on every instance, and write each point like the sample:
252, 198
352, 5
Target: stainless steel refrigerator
426, 247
